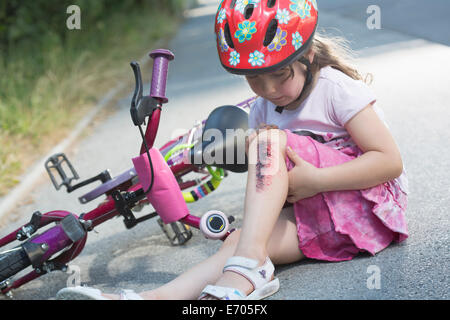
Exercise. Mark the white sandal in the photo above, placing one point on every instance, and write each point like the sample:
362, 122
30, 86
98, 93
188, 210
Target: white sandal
87, 293
259, 276
126, 294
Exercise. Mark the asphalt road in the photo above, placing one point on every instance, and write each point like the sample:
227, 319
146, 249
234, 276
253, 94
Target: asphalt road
408, 57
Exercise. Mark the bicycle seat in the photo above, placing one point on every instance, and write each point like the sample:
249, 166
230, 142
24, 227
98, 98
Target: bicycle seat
108, 186
223, 140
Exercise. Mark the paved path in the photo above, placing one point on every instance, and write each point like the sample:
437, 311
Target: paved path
409, 60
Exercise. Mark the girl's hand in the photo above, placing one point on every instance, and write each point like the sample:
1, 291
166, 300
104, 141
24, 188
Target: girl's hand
303, 178
261, 128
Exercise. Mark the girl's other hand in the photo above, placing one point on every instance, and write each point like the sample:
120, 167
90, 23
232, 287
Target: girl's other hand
303, 178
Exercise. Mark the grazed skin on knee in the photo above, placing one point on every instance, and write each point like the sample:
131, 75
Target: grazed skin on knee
263, 163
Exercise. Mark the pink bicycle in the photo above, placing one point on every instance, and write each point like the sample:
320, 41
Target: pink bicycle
156, 179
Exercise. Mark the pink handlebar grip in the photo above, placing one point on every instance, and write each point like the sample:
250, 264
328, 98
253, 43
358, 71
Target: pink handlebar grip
161, 59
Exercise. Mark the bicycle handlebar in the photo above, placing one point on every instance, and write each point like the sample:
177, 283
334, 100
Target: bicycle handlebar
71, 231
159, 75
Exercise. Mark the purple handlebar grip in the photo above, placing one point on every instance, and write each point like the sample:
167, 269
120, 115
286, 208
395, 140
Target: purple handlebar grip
159, 76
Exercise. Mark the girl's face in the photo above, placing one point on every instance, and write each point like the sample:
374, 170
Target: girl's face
282, 87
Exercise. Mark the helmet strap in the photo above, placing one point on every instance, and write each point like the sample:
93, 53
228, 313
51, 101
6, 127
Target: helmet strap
308, 81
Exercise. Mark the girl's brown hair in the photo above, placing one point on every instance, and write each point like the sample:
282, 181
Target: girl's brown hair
334, 51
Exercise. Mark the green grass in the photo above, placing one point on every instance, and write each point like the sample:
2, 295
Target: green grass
46, 88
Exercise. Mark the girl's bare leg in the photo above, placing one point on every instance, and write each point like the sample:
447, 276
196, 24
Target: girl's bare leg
282, 248
267, 188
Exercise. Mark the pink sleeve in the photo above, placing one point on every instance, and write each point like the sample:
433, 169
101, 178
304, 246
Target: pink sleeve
349, 97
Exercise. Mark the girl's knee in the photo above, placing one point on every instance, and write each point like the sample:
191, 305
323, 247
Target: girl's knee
276, 137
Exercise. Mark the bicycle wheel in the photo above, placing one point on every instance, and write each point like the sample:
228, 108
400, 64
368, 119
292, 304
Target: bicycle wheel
13, 261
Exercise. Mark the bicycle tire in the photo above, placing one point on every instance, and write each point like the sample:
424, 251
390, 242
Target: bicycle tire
11, 262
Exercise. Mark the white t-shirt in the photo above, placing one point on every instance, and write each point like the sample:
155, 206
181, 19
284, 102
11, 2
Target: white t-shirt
334, 100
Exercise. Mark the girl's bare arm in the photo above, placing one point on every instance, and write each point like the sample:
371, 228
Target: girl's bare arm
381, 161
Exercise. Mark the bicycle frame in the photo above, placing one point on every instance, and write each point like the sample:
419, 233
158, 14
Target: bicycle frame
165, 196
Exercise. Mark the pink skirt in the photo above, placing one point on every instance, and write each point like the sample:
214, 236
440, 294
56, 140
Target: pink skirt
337, 225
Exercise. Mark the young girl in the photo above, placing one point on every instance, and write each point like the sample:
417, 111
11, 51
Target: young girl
320, 145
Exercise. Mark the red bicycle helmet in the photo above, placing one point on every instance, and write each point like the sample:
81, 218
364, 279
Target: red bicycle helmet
259, 36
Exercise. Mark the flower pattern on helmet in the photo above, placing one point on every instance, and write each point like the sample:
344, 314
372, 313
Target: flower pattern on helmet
220, 5
236, 20
221, 16
314, 4
301, 7
279, 41
297, 40
241, 4
256, 58
283, 16
245, 31
235, 58
222, 42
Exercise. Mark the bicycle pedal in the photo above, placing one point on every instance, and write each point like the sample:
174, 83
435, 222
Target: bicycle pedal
60, 165
178, 233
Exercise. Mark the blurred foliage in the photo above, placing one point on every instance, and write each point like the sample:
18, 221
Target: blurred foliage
36, 20
35, 42
50, 75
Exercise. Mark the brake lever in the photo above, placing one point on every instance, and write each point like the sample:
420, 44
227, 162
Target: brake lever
141, 107
139, 87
